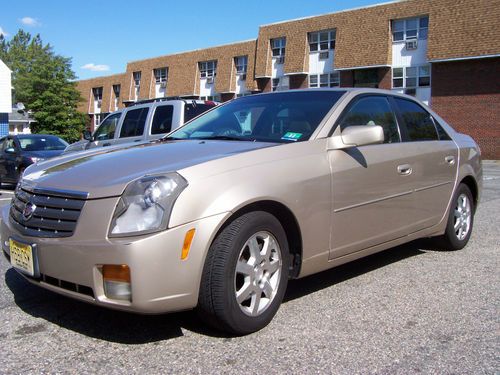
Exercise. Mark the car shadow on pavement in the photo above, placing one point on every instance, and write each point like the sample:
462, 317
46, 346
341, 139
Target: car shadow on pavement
92, 321
310, 284
128, 328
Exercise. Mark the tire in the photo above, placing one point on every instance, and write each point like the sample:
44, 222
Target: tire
241, 287
460, 220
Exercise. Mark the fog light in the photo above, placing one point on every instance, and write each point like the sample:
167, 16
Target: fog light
117, 282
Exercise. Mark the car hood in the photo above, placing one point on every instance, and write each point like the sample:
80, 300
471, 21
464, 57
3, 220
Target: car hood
106, 173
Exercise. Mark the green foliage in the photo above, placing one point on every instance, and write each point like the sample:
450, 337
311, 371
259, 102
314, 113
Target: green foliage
44, 82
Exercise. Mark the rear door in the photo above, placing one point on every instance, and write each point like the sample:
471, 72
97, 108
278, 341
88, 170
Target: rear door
434, 160
371, 193
164, 117
132, 126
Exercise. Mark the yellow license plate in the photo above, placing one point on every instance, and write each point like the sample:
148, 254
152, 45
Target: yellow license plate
21, 257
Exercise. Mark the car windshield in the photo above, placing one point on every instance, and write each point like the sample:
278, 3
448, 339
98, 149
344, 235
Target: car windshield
42, 143
278, 117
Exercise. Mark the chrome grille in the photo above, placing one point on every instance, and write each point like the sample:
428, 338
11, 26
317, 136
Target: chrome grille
55, 213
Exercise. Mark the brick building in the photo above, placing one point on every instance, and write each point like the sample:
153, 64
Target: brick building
445, 52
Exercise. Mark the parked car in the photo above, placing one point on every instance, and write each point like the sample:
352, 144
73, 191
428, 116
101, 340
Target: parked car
221, 213
19, 151
143, 121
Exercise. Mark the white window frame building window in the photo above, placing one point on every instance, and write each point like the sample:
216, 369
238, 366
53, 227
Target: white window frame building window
325, 80
97, 94
136, 77
116, 92
322, 41
410, 29
160, 74
208, 69
278, 49
241, 64
411, 77
136, 80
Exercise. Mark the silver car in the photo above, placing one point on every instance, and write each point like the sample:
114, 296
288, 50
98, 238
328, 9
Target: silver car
221, 213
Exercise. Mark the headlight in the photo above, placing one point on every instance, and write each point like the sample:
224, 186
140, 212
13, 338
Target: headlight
145, 205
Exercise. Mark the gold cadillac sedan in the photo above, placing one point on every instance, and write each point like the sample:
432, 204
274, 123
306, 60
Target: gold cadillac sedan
221, 213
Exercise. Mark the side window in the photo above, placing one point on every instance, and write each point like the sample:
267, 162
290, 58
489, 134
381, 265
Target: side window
162, 119
443, 136
3, 142
372, 110
107, 128
418, 121
10, 144
191, 111
133, 124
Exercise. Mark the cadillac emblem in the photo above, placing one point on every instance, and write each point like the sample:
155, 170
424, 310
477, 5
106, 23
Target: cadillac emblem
28, 211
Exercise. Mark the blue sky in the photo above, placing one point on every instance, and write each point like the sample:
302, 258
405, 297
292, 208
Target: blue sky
102, 36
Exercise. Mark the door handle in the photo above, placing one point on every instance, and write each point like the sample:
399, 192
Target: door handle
106, 144
450, 159
138, 140
405, 169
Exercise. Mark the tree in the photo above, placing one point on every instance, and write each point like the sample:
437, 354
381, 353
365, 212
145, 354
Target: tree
44, 82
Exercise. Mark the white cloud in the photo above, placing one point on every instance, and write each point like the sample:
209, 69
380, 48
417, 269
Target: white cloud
3, 32
29, 21
96, 68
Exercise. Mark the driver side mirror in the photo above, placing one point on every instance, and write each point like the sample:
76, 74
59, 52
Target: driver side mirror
355, 136
10, 150
87, 135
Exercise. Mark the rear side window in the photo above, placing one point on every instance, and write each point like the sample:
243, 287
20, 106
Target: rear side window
193, 110
372, 110
162, 119
443, 136
418, 121
133, 124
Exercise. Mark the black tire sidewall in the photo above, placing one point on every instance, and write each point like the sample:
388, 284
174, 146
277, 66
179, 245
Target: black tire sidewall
233, 318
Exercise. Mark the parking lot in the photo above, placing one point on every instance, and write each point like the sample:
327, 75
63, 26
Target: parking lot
410, 309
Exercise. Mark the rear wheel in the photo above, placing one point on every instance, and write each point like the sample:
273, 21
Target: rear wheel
245, 274
460, 220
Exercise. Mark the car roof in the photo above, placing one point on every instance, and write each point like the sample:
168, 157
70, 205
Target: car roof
25, 136
351, 90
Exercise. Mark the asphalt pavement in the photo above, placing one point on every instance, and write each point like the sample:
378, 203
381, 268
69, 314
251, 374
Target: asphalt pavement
408, 310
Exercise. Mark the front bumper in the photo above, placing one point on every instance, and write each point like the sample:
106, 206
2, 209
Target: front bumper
160, 280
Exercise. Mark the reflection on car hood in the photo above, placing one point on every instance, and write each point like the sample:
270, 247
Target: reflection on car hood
43, 154
106, 173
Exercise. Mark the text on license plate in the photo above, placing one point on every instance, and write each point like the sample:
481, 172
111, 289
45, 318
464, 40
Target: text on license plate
21, 256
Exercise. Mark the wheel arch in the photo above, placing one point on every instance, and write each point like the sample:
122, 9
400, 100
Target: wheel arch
471, 183
286, 218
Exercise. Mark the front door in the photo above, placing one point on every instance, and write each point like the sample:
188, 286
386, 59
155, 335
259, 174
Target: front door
105, 133
371, 189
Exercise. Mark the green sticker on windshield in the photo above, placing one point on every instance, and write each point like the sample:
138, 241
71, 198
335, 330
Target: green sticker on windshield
291, 136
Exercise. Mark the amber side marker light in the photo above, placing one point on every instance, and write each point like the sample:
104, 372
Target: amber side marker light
188, 240
116, 278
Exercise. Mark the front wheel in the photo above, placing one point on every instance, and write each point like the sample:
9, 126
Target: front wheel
245, 274
460, 220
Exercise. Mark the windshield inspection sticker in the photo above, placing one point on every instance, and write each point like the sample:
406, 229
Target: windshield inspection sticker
291, 136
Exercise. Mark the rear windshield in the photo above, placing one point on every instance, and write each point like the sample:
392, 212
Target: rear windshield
193, 110
42, 144
278, 117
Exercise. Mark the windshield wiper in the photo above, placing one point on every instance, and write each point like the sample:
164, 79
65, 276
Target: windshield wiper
225, 138
165, 139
